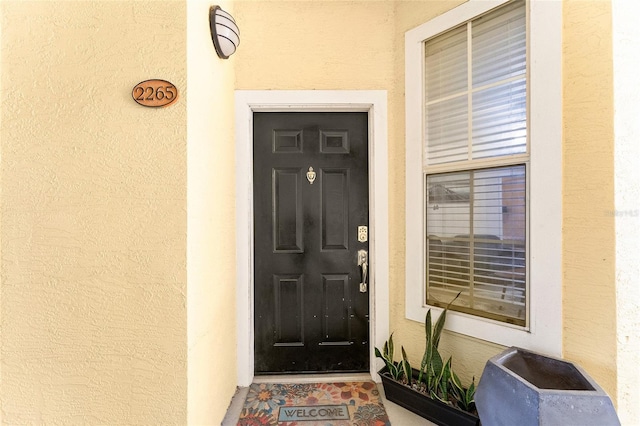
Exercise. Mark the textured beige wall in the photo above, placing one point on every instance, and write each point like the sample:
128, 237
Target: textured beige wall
211, 221
93, 214
305, 45
589, 305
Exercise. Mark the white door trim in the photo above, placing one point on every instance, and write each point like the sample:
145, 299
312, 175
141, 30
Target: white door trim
375, 103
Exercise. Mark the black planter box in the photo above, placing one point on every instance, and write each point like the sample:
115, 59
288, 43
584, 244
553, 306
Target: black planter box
432, 410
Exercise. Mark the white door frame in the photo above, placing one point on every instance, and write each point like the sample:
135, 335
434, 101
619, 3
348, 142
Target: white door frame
375, 103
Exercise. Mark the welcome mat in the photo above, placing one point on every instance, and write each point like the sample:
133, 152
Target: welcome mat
314, 404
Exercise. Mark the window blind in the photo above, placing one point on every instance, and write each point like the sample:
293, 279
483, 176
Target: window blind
476, 241
476, 109
475, 88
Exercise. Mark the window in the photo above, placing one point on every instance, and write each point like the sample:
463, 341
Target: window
475, 111
484, 171
476, 242
475, 89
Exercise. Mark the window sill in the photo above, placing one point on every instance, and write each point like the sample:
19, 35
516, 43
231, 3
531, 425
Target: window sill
491, 331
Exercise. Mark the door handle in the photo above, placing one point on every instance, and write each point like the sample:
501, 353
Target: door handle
363, 263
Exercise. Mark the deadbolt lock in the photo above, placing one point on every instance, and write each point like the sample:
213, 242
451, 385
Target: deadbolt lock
363, 234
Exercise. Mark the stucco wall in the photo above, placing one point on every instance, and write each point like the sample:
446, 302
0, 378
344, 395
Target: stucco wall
310, 45
93, 214
589, 293
211, 222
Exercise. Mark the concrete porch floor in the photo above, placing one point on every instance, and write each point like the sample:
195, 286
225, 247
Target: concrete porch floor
398, 416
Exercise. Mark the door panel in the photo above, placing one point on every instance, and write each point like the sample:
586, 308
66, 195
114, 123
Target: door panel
310, 196
287, 217
336, 324
288, 308
335, 209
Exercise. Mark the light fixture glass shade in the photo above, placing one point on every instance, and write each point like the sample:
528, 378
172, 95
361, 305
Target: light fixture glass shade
224, 32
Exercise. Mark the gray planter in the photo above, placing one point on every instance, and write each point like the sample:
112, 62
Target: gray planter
520, 387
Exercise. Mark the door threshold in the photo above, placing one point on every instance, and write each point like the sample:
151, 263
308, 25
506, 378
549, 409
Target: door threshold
313, 378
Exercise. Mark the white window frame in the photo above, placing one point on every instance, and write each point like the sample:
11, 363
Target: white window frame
544, 175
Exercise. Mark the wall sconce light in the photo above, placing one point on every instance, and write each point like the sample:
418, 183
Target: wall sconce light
224, 32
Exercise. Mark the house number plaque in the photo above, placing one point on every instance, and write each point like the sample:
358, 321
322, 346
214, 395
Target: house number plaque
155, 93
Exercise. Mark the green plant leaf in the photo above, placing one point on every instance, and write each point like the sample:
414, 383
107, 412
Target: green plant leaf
440, 322
456, 381
445, 379
428, 329
392, 369
436, 363
436, 370
406, 366
397, 371
431, 367
389, 367
470, 394
428, 353
434, 395
378, 354
437, 331
464, 397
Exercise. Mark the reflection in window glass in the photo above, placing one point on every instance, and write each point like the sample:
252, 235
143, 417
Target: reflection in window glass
476, 242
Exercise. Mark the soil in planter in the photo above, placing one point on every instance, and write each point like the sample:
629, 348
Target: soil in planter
422, 388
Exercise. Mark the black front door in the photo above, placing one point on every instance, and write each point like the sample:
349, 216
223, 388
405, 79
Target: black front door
311, 216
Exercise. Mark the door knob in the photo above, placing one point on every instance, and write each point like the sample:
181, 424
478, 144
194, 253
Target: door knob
363, 263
